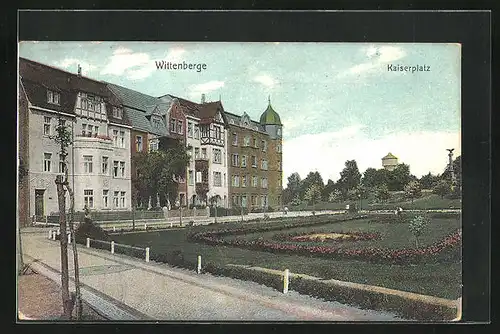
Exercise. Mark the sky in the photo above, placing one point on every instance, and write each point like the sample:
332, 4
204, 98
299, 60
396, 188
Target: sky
337, 101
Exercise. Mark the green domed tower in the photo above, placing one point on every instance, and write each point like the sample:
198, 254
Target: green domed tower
271, 122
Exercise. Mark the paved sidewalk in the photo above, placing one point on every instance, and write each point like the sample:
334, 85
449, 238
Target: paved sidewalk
156, 291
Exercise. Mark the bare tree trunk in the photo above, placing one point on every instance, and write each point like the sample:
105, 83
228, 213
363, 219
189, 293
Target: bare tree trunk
78, 299
67, 304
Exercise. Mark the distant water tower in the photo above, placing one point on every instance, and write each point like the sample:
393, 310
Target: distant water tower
390, 162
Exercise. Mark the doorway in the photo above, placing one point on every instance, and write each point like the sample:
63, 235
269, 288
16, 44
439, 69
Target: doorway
39, 204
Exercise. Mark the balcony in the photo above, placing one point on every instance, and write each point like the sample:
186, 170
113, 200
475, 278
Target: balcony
201, 164
212, 141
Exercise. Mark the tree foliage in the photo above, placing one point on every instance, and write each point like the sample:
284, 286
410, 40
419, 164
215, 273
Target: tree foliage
158, 172
399, 177
382, 193
442, 188
350, 177
429, 181
313, 194
313, 178
413, 190
417, 226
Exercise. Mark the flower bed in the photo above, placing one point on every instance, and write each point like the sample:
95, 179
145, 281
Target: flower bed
334, 236
375, 255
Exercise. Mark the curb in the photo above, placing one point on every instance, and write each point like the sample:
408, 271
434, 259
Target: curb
407, 304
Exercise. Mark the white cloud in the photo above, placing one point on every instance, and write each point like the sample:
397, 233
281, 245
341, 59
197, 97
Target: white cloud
73, 62
195, 91
266, 80
378, 57
327, 152
137, 65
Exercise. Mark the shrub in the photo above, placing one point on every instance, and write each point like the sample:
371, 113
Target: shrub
88, 229
417, 226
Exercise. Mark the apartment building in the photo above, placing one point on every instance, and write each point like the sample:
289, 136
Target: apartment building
99, 157
255, 168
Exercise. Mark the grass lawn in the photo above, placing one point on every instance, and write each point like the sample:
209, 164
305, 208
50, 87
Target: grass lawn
441, 279
427, 201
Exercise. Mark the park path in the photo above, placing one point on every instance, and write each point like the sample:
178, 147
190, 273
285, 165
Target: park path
131, 289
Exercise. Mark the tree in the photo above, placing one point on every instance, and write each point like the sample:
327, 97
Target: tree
63, 137
313, 194
350, 177
335, 196
159, 173
399, 177
213, 201
417, 226
327, 190
428, 181
442, 188
312, 178
413, 190
371, 178
382, 194
293, 185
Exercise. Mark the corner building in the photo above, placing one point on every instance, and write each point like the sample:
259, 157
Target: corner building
255, 161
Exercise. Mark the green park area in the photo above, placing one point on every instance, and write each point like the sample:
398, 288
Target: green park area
380, 250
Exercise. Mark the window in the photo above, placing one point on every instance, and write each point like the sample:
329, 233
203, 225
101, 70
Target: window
255, 181
264, 182
218, 133
190, 130
191, 177
88, 198
264, 146
122, 139
196, 131
115, 198
204, 153
278, 148
153, 145
46, 125
115, 168
180, 129
217, 156
255, 143
53, 97
204, 131
105, 195
235, 139
246, 141
96, 131
156, 123
172, 125
244, 201
235, 160
235, 200
90, 103
117, 112
122, 199
278, 132
196, 152
279, 165
47, 162
122, 168
138, 143
87, 164
263, 164
115, 138
217, 179
61, 164
104, 165
244, 181
236, 181
243, 161
198, 177
254, 161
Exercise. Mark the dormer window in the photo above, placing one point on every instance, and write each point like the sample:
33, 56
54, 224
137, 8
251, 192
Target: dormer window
156, 123
53, 97
117, 112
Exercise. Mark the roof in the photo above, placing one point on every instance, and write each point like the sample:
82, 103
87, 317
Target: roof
389, 156
269, 116
188, 107
209, 110
134, 99
236, 119
37, 78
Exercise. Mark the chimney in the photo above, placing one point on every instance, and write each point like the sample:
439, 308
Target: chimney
202, 98
79, 70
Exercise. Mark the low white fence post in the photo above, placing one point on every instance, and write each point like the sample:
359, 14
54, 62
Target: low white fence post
88, 242
112, 247
145, 227
286, 278
46, 219
59, 232
114, 228
171, 224
54, 235
69, 238
50, 234
147, 254
198, 269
